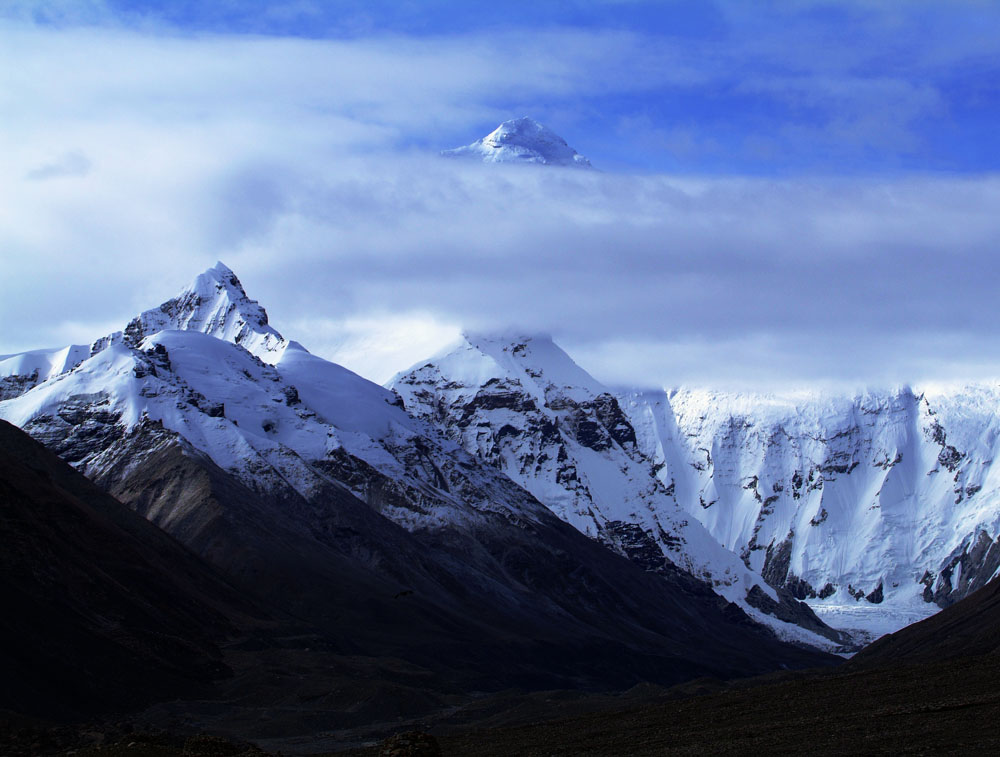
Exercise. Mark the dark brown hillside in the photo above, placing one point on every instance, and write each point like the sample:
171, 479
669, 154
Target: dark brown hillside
101, 609
929, 688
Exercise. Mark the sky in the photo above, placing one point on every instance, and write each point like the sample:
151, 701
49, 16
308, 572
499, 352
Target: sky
788, 193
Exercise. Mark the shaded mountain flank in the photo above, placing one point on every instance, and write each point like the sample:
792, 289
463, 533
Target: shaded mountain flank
101, 609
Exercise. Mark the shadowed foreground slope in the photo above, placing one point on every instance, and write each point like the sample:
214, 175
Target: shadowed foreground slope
940, 708
929, 688
101, 609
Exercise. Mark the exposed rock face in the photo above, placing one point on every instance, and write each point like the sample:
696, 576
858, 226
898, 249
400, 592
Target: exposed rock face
969, 567
19, 373
16, 385
521, 404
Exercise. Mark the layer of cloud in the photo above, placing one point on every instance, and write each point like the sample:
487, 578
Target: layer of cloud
700, 280
308, 166
720, 86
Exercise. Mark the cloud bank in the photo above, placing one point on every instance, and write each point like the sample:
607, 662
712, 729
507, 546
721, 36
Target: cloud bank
138, 158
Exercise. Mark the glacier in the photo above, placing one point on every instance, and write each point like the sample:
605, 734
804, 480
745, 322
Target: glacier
867, 506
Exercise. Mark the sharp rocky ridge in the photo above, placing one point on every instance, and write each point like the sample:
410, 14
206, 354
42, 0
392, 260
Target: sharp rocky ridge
214, 304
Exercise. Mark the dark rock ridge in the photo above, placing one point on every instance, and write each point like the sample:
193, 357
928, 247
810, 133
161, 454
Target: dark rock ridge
16, 385
968, 568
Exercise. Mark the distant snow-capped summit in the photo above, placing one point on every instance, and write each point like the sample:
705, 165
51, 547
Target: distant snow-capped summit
521, 140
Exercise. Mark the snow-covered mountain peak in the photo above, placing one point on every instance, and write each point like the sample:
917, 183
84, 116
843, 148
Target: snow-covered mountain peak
216, 304
531, 363
522, 140
538, 358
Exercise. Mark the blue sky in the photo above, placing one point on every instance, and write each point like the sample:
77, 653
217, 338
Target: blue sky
762, 88
790, 192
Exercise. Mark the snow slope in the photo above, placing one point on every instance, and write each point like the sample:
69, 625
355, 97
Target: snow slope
521, 140
20, 372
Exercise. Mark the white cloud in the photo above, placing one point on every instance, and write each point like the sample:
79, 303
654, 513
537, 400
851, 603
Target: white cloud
308, 167
379, 344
